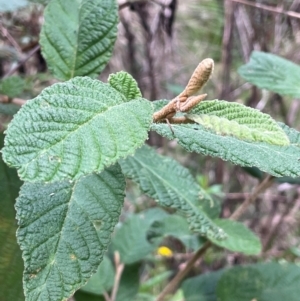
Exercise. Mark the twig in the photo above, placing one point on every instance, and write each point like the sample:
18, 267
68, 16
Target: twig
173, 284
266, 183
22, 62
16, 101
119, 271
10, 38
276, 10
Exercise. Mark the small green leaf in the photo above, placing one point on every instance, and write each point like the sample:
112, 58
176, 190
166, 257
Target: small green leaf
77, 37
234, 119
9, 108
11, 263
239, 238
64, 229
172, 186
12, 86
273, 159
103, 280
125, 84
75, 128
130, 240
12, 5
271, 72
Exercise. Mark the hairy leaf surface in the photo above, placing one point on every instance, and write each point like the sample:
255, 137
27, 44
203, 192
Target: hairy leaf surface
234, 119
273, 159
172, 186
77, 37
64, 229
239, 238
75, 128
125, 84
271, 72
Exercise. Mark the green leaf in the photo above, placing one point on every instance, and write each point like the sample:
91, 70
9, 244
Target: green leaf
125, 84
75, 128
172, 185
273, 159
234, 119
239, 238
11, 263
64, 230
263, 282
202, 288
77, 37
130, 240
103, 280
12, 86
12, 5
271, 72
130, 282
9, 108
83, 296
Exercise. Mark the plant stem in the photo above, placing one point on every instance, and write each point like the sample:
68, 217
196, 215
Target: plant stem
119, 271
173, 284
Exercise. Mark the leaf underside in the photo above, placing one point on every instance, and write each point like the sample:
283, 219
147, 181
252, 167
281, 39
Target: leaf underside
273, 159
75, 128
77, 37
271, 72
172, 185
64, 229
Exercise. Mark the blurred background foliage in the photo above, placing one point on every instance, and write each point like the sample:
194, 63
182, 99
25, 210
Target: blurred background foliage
160, 42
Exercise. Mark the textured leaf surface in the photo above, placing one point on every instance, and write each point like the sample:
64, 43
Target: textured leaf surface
273, 159
172, 185
234, 119
77, 37
264, 282
64, 229
12, 5
103, 280
12, 86
239, 238
271, 72
11, 263
75, 128
125, 84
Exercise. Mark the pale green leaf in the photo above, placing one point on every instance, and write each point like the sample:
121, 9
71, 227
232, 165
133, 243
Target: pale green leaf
77, 37
103, 280
239, 238
262, 282
234, 119
171, 185
11, 263
12, 86
273, 159
64, 230
11, 5
271, 72
75, 128
125, 84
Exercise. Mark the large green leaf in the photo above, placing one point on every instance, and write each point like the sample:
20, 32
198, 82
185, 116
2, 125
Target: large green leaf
273, 159
271, 72
75, 128
239, 238
77, 37
64, 229
263, 282
11, 264
172, 185
234, 119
